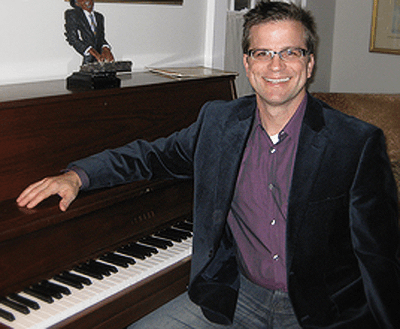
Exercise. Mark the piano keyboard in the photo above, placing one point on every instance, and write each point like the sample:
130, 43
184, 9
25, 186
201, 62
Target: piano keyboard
95, 280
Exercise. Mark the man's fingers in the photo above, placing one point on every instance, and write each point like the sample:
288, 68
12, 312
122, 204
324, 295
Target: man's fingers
37, 192
66, 186
22, 197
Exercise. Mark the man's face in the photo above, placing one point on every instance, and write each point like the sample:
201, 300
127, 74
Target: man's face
85, 4
278, 82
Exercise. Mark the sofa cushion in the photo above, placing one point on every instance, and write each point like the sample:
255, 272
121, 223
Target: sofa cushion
382, 110
396, 172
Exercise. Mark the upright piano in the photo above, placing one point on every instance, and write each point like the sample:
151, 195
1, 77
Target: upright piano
43, 251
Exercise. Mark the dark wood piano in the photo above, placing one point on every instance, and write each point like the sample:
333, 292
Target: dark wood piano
43, 127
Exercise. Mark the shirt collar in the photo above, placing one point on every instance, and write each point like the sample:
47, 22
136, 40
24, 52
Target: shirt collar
292, 128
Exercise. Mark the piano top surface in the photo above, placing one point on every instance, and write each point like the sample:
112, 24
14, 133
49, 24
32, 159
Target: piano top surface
56, 88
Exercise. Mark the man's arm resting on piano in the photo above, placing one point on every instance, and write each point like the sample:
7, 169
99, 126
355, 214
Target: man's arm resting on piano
66, 185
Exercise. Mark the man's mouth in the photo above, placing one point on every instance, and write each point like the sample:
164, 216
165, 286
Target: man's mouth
277, 80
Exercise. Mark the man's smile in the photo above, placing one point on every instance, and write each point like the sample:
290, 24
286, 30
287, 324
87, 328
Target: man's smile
277, 80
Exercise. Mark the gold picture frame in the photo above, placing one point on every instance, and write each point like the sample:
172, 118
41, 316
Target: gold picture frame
385, 28
156, 2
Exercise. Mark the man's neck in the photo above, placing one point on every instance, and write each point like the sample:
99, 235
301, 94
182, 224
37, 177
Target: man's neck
275, 118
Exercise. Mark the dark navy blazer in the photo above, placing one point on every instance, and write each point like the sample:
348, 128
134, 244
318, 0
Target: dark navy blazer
342, 226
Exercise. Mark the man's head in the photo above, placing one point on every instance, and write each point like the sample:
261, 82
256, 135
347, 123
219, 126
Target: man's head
279, 41
267, 11
84, 4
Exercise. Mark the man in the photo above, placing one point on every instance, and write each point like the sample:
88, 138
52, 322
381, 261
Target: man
295, 209
84, 30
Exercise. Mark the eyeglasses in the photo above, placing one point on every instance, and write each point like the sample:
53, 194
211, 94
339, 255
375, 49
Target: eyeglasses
289, 54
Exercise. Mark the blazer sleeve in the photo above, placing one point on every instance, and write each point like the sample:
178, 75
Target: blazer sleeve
170, 157
375, 231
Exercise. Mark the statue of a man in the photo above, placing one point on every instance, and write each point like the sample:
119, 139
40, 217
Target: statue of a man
84, 30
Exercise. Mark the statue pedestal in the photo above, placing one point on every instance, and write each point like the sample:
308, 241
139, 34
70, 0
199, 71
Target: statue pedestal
98, 75
83, 80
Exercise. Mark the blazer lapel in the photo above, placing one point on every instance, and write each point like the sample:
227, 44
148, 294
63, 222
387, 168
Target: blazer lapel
311, 148
232, 145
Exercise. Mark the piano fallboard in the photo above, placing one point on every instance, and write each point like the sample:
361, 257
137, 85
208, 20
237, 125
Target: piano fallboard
44, 127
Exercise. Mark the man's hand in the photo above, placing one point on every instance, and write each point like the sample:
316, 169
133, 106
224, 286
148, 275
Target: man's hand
106, 55
66, 186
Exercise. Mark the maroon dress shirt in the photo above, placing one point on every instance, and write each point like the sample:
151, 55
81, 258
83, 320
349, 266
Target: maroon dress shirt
259, 208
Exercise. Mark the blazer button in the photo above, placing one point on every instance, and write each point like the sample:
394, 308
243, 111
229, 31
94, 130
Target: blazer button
210, 253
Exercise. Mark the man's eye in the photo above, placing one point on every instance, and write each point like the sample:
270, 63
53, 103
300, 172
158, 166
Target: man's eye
261, 54
293, 53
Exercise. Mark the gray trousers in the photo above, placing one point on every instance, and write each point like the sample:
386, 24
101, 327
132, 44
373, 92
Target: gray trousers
257, 307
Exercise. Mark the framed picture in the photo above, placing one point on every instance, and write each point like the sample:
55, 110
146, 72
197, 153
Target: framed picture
165, 2
385, 29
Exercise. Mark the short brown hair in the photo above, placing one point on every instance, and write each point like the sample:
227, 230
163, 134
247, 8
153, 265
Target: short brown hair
273, 11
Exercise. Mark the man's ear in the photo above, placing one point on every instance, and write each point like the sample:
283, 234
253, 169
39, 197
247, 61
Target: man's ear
246, 61
310, 65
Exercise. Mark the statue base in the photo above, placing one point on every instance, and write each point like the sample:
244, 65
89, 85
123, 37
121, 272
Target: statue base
83, 80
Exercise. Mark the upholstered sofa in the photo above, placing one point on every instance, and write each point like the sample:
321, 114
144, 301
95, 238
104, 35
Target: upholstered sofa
382, 110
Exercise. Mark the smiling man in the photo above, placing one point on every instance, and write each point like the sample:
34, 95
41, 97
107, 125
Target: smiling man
278, 67
295, 205
84, 30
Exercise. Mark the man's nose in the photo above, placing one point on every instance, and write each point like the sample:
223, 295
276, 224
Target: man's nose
276, 63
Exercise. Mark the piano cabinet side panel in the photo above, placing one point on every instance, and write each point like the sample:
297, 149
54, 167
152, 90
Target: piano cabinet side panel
40, 255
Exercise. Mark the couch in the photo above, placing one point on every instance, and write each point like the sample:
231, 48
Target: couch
381, 110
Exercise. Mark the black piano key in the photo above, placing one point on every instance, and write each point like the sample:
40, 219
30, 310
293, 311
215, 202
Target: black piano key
15, 306
130, 252
137, 251
118, 260
39, 295
56, 287
169, 235
6, 315
184, 226
24, 301
73, 278
156, 242
90, 271
182, 233
47, 290
147, 249
69, 282
96, 266
82, 279
106, 267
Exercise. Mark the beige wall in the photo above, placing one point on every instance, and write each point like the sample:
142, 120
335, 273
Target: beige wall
354, 68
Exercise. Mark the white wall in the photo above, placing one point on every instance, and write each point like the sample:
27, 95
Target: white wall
354, 68
33, 45
215, 33
323, 11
